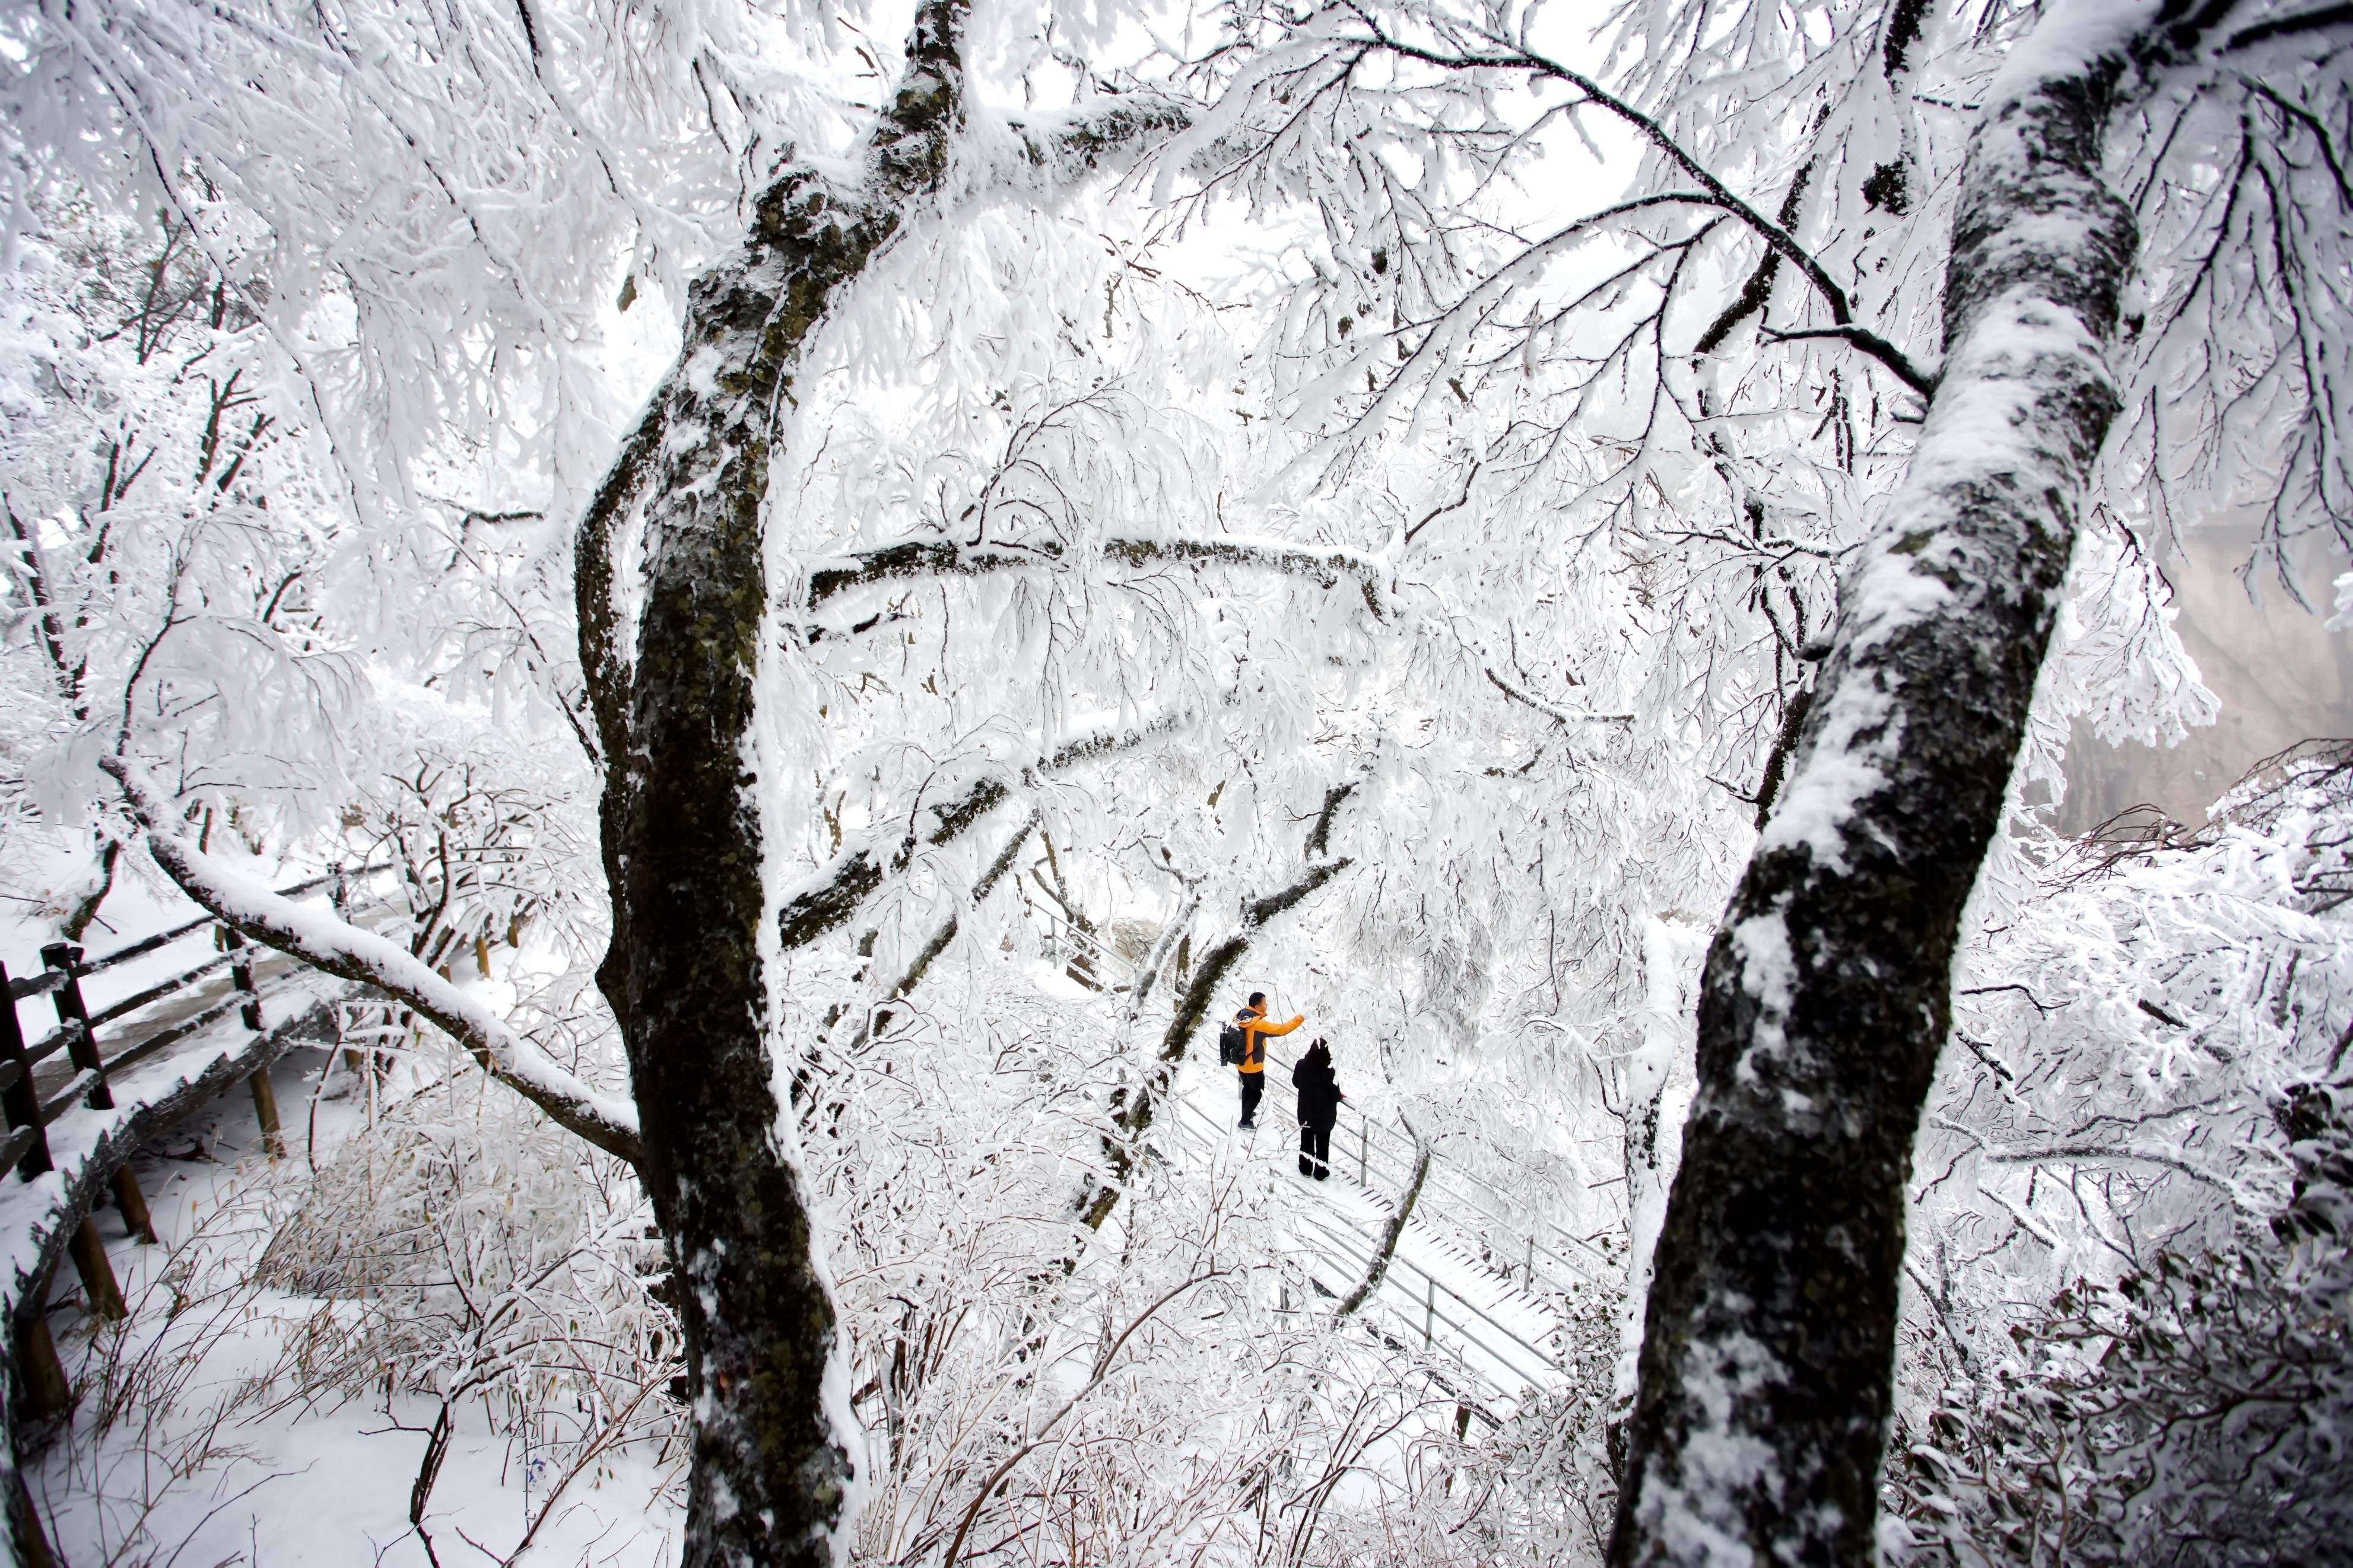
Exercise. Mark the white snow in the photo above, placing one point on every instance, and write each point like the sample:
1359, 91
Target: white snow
2070, 38
252, 903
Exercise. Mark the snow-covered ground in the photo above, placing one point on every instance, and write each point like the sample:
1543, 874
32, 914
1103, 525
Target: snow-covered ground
184, 1445
190, 1445
185, 1448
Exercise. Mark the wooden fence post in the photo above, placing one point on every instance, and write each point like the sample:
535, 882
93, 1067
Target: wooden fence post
73, 1021
136, 1219
16, 1093
264, 1094
30, 1538
47, 1389
81, 1045
97, 1284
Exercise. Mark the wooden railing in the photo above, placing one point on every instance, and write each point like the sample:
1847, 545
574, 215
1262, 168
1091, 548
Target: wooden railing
102, 1150
29, 1114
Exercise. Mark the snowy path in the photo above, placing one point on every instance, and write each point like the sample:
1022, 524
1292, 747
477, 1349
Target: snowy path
1435, 1292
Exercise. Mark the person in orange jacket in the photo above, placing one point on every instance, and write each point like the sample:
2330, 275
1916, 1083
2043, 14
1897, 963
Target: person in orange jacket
1251, 1022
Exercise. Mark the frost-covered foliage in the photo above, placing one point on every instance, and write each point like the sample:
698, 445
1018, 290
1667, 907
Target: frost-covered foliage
465, 1249
2128, 1338
2189, 1414
1466, 566
166, 541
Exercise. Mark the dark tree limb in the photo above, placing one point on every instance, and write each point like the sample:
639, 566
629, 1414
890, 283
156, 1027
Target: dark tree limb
771, 1470
1757, 291
1870, 342
1319, 837
828, 897
933, 556
1378, 1269
1131, 1115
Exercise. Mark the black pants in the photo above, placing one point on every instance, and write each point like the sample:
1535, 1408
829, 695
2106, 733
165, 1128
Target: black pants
1314, 1150
1254, 1086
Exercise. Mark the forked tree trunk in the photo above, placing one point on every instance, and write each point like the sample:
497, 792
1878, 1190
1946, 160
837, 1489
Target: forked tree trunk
772, 1463
1768, 1344
772, 1459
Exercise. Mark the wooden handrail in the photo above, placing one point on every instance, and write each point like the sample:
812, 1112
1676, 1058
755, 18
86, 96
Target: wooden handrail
29, 1112
164, 939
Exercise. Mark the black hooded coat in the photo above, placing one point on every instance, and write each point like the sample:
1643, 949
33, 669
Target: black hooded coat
1318, 1087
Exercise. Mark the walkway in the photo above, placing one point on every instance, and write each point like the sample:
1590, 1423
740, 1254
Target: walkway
1501, 1326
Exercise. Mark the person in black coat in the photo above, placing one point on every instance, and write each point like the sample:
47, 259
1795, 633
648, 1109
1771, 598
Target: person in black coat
1319, 1107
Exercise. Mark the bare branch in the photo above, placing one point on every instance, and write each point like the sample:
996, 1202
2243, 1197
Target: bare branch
1870, 342
1379, 1267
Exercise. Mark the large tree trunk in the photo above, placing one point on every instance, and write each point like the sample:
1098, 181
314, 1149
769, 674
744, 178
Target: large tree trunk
772, 1459
1767, 1350
774, 1440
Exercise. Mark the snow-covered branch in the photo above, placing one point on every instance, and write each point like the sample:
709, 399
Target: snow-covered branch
1378, 1269
936, 557
827, 897
1558, 715
326, 943
1069, 147
1131, 1114
878, 1017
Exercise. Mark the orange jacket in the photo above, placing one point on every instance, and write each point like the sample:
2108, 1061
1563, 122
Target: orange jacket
1255, 1028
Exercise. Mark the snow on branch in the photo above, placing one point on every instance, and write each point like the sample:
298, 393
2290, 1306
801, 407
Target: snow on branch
1069, 147
936, 557
1378, 1270
1558, 715
878, 1017
338, 947
828, 895
1324, 564
1131, 1115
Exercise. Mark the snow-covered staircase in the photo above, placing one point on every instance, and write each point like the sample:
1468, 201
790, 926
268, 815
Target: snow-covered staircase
1437, 1294
1502, 1326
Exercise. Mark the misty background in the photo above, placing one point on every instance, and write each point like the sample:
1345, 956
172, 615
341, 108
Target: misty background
2280, 674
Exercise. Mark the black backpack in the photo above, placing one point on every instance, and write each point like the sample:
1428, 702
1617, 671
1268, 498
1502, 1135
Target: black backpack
1231, 1046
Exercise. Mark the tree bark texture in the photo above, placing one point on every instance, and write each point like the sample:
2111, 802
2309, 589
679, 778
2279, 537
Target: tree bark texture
772, 1471
1767, 1348
682, 838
